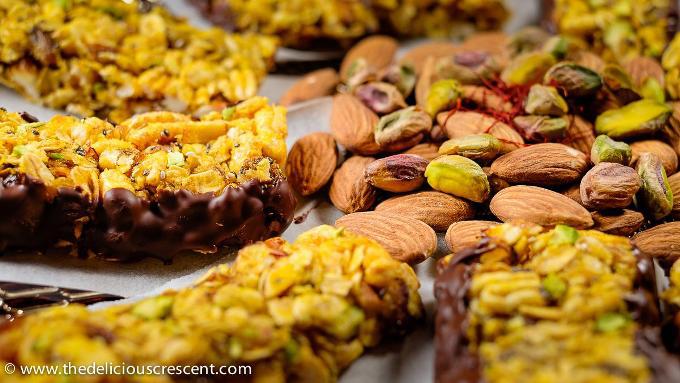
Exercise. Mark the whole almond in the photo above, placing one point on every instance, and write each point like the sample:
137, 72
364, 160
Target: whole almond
674, 182
486, 98
609, 186
406, 239
589, 60
399, 173
349, 191
427, 77
540, 206
618, 222
642, 68
580, 134
460, 124
494, 43
427, 150
671, 130
573, 192
311, 162
318, 83
661, 242
352, 125
436, 49
436, 209
378, 51
665, 152
461, 235
541, 164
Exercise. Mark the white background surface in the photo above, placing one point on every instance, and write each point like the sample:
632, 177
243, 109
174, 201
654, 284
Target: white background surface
407, 361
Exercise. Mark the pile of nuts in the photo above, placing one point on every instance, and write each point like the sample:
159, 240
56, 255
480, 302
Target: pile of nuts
456, 138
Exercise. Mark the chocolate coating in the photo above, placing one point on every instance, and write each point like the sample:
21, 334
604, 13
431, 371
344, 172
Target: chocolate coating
124, 227
455, 362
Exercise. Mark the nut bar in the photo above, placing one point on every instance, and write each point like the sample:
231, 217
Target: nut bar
295, 312
672, 299
154, 185
113, 59
304, 23
528, 304
618, 29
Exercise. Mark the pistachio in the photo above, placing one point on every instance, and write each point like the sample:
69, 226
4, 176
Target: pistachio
624, 222
607, 150
527, 68
403, 76
619, 83
442, 95
639, 117
398, 173
655, 196
573, 80
671, 57
401, 127
458, 176
545, 100
381, 97
609, 186
468, 67
528, 39
653, 90
541, 128
359, 72
558, 46
475, 147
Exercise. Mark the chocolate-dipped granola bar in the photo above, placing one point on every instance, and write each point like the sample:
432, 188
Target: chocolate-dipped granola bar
305, 23
113, 59
563, 305
154, 185
293, 312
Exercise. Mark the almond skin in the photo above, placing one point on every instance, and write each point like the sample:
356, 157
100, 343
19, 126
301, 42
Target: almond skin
674, 182
438, 210
349, 191
378, 51
399, 173
609, 186
311, 162
427, 150
541, 164
461, 124
540, 206
318, 83
437, 49
664, 151
461, 235
406, 239
580, 134
661, 242
618, 222
353, 124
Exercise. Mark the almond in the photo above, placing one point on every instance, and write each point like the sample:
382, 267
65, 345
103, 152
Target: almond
353, 124
436, 49
661, 242
618, 222
486, 98
573, 192
671, 130
580, 134
461, 235
540, 206
406, 239
589, 60
318, 83
427, 150
641, 68
438, 210
349, 191
664, 151
494, 43
541, 164
674, 182
378, 51
311, 162
427, 77
460, 124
